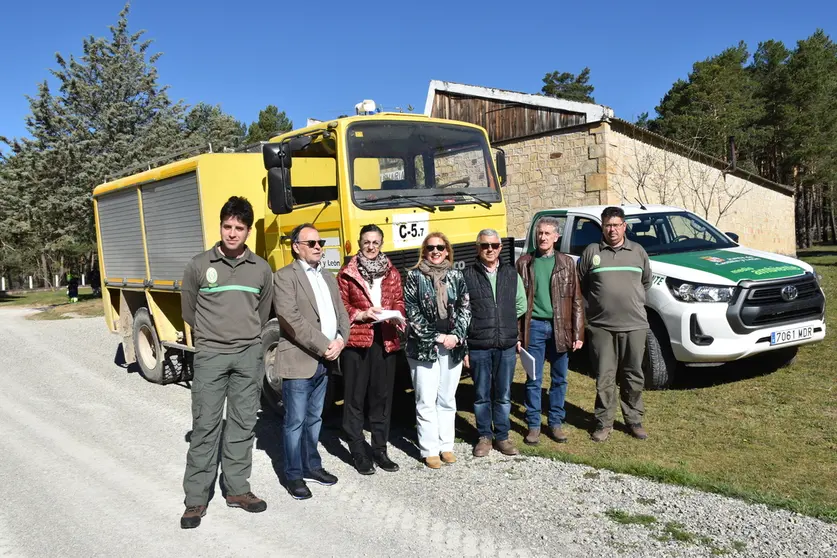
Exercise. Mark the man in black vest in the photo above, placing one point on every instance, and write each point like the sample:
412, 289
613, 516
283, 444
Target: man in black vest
498, 299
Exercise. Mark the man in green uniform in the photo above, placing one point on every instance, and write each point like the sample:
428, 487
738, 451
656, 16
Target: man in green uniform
226, 298
615, 275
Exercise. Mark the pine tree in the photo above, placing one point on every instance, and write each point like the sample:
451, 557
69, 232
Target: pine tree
568, 86
271, 123
208, 125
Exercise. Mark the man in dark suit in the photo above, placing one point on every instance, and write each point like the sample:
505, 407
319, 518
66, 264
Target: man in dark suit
314, 326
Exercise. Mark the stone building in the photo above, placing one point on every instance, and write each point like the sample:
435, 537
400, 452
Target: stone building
565, 153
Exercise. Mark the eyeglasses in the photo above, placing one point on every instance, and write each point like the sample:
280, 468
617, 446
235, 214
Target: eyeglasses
613, 225
493, 245
370, 243
312, 243
435, 247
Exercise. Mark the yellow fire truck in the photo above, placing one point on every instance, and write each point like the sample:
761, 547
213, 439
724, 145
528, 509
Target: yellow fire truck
407, 173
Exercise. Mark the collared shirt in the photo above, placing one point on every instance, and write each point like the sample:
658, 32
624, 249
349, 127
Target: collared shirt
614, 282
322, 296
520, 297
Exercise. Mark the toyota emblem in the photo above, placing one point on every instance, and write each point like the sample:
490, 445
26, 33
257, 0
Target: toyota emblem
789, 292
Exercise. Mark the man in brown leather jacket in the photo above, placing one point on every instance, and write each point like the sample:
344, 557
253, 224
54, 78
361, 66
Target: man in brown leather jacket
552, 326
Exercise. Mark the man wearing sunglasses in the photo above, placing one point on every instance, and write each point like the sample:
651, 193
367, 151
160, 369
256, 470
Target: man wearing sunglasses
314, 326
497, 301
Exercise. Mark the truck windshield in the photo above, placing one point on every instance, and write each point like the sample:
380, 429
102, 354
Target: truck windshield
667, 233
424, 163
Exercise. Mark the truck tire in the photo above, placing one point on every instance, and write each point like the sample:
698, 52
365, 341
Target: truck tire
659, 364
150, 354
271, 387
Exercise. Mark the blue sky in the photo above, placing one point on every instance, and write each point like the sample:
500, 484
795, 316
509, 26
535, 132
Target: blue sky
317, 59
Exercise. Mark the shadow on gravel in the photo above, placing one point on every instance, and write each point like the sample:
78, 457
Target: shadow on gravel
119, 360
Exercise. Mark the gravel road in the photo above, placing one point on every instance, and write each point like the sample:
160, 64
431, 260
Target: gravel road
93, 455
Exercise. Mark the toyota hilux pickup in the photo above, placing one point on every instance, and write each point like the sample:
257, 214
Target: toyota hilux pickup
711, 300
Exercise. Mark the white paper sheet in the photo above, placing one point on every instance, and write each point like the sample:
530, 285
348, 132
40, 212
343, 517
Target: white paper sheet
528, 362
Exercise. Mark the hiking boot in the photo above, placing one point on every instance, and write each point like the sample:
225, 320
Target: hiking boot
191, 518
448, 457
298, 489
320, 476
247, 502
433, 461
637, 431
384, 462
506, 447
483, 447
363, 464
601, 434
558, 434
532, 438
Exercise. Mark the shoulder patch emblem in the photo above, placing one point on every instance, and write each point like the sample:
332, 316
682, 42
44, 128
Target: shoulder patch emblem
212, 276
597, 260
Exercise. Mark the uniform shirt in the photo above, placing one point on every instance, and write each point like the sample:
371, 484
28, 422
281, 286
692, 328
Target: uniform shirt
325, 306
614, 282
226, 301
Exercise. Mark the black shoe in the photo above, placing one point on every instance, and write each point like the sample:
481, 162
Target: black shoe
320, 476
363, 465
384, 462
298, 489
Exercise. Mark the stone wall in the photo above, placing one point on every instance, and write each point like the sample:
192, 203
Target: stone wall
550, 171
594, 164
636, 170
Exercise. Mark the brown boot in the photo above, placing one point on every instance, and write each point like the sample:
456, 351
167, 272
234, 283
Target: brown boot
191, 518
558, 434
532, 438
433, 461
638, 432
506, 447
483, 447
248, 502
601, 434
448, 457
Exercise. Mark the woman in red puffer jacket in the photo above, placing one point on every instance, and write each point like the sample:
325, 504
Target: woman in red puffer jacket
369, 285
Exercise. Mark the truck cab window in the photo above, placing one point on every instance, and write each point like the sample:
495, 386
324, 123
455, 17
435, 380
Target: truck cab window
585, 232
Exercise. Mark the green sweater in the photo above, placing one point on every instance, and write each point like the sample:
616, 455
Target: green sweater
542, 305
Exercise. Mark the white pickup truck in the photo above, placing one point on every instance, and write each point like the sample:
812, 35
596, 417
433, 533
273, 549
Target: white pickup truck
712, 300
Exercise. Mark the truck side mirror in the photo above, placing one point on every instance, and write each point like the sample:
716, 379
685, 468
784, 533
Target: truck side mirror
501, 166
276, 155
733, 236
280, 196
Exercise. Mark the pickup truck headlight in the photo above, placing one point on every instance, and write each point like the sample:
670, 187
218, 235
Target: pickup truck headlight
690, 292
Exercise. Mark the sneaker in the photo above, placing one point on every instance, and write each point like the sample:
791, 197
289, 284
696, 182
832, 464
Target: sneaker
601, 434
248, 502
558, 434
191, 518
384, 462
448, 457
483, 447
433, 462
363, 464
532, 438
506, 447
638, 432
298, 489
320, 476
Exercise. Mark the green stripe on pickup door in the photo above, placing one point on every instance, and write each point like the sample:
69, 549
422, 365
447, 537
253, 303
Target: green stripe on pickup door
253, 290
616, 268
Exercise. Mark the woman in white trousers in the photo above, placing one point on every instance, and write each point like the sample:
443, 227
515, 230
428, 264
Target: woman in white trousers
438, 313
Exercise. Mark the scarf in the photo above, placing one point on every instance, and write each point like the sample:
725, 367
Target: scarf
438, 273
372, 269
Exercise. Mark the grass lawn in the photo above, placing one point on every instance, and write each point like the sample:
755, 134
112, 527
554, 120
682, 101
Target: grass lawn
768, 437
54, 305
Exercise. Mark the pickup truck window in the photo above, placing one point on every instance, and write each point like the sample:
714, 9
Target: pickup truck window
584, 232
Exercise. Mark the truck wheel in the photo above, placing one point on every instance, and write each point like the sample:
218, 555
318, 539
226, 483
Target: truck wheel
272, 386
149, 352
177, 366
659, 363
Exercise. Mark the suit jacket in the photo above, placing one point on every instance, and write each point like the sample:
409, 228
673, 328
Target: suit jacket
303, 345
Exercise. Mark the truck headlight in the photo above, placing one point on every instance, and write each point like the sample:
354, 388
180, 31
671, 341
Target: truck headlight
690, 292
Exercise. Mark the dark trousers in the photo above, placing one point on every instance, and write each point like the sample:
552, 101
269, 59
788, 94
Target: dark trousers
615, 352
304, 400
235, 378
368, 373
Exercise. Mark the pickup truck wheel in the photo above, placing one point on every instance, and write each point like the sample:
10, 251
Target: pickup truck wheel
659, 364
149, 352
272, 385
